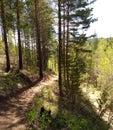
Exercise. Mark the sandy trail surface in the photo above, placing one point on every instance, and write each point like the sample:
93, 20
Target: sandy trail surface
13, 110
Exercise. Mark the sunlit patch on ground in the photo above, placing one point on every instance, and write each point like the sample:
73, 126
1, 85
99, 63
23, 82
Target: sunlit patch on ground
94, 96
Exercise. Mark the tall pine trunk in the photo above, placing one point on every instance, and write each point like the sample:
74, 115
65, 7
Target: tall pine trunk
5, 35
19, 39
64, 45
38, 41
60, 47
67, 46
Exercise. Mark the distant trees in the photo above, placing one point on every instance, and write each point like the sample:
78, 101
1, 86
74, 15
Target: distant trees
28, 23
101, 74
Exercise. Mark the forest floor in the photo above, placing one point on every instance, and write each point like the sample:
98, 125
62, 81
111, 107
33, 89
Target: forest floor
13, 110
94, 96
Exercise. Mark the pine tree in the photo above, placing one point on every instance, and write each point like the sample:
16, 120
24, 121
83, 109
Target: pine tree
78, 18
4, 26
38, 39
19, 39
60, 47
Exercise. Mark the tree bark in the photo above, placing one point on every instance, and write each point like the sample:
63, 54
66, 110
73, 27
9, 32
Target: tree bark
67, 46
19, 39
5, 35
38, 41
60, 47
64, 45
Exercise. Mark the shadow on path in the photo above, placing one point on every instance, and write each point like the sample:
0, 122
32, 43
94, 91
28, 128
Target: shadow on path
14, 106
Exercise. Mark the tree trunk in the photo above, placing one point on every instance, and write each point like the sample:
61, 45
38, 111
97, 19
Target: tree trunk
38, 41
64, 45
67, 45
60, 47
5, 35
19, 40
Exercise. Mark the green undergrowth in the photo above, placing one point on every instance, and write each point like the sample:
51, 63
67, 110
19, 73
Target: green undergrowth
63, 117
10, 82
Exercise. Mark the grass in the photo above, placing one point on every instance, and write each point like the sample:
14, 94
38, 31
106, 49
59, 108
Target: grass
64, 114
10, 83
47, 99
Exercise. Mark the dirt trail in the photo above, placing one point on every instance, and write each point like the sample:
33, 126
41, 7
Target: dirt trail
12, 111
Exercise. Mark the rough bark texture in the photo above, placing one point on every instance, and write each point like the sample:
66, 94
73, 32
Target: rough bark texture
38, 42
60, 48
19, 39
5, 35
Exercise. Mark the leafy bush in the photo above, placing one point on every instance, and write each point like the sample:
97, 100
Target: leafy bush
35, 120
44, 121
71, 122
63, 120
66, 120
32, 116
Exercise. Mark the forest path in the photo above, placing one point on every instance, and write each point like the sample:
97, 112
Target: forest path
13, 111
